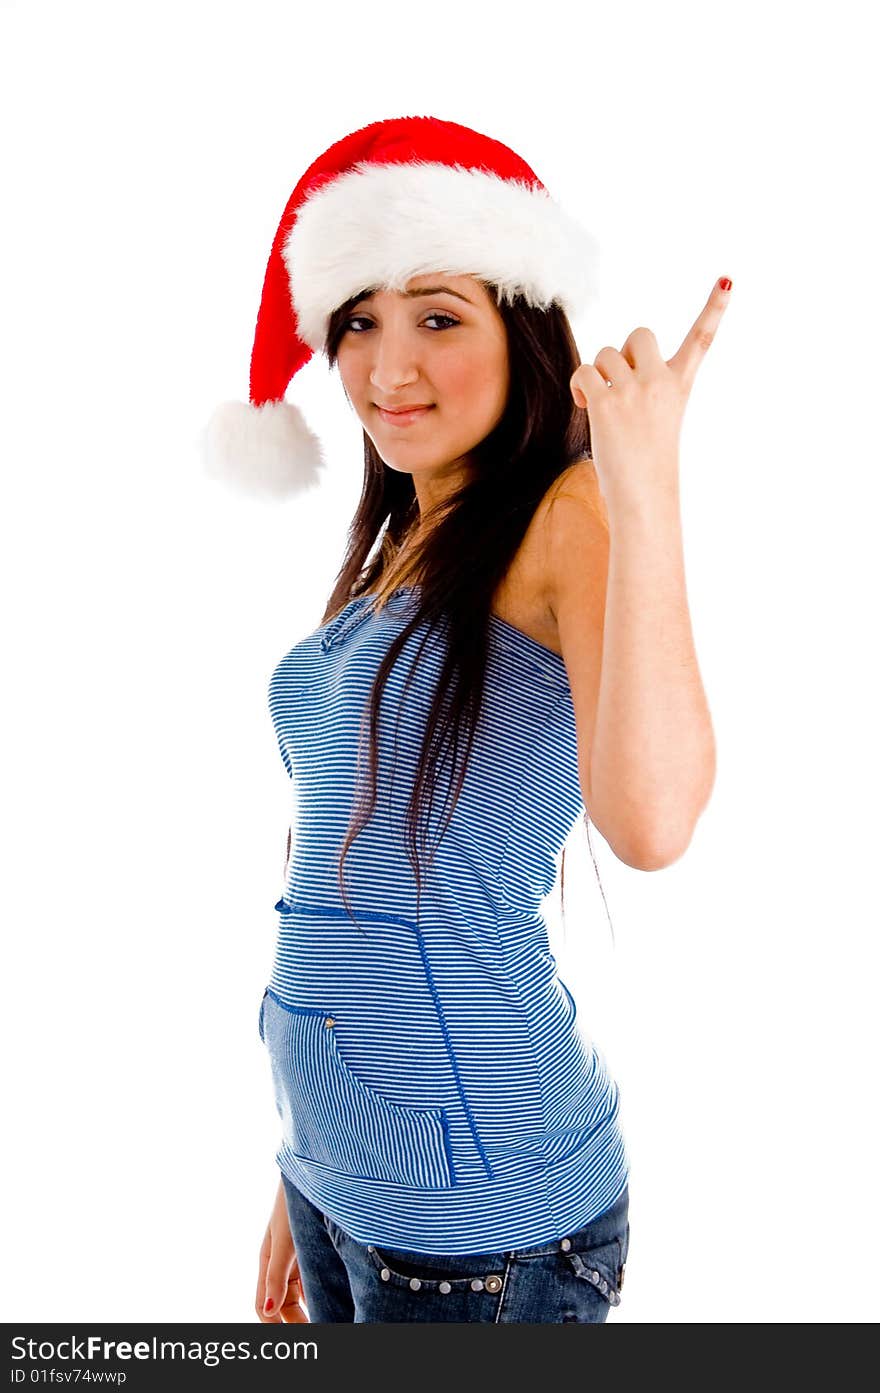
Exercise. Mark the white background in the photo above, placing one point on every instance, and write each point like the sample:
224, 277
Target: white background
148, 155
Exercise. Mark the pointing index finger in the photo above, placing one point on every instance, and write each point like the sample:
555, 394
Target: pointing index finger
699, 337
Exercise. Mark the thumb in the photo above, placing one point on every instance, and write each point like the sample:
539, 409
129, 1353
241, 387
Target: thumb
275, 1289
283, 1291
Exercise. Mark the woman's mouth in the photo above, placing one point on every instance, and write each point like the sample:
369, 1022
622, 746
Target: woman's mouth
403, 418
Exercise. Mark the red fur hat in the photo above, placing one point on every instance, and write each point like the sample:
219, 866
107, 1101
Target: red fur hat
393, 200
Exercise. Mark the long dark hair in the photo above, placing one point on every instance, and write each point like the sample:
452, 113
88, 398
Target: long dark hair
540, 434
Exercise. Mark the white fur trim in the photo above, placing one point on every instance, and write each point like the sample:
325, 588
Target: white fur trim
378, 225
266, 450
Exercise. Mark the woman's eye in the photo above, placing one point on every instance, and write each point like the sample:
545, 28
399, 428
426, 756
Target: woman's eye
362, 319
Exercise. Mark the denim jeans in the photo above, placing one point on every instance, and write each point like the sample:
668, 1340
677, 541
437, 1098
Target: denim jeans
576, 1277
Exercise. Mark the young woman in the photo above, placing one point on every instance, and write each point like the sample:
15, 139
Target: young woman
507, 645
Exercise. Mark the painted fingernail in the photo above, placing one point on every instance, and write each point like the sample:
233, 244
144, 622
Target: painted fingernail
269, 1304
725, 283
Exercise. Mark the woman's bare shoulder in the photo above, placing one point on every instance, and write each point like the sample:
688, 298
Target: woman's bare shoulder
580, 483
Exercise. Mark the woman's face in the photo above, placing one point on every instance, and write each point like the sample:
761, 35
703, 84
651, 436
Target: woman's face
442, 348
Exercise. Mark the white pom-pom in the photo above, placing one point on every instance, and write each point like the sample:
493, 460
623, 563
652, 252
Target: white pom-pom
267, 450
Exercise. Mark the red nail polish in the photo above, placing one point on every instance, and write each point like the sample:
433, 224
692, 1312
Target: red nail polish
269, 1304
725, 283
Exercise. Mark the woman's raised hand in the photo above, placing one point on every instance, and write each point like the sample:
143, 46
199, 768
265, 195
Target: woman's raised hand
636, 400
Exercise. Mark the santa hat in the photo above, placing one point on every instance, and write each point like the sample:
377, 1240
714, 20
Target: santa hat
392, 200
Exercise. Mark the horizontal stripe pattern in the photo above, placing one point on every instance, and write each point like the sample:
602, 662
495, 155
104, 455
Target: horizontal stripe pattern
435, 1088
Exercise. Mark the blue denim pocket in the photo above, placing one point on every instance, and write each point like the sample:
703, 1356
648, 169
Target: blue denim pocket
479, 1276
602, 1267
597, 1253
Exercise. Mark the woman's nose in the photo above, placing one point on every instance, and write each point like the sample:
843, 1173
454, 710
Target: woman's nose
393, 367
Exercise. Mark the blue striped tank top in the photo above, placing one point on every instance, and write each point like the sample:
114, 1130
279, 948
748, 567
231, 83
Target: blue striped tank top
435, 1090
